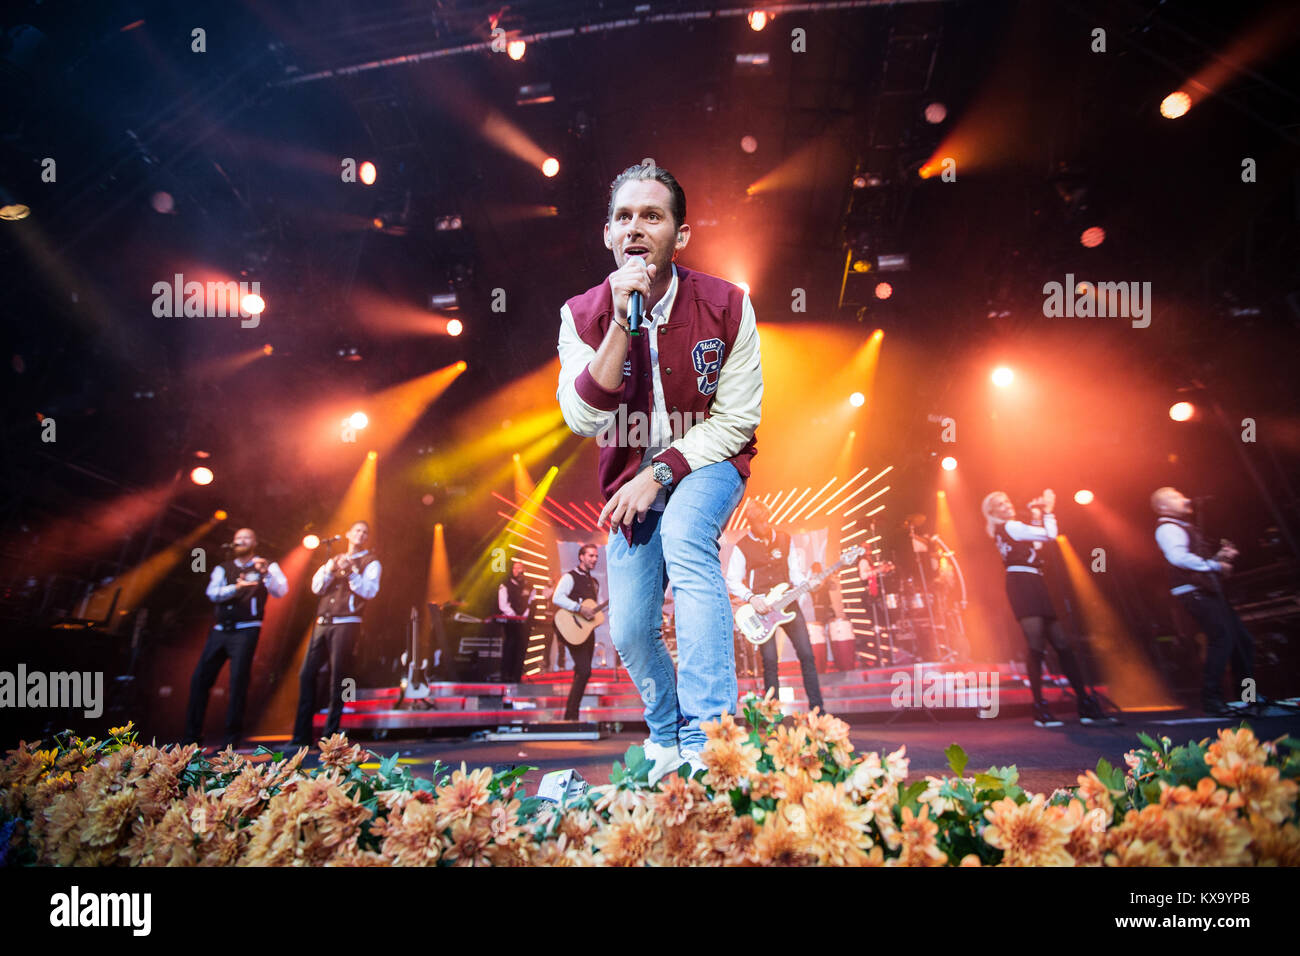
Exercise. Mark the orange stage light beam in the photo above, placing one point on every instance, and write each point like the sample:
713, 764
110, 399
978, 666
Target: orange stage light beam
136, 583
439, 588
1125, 671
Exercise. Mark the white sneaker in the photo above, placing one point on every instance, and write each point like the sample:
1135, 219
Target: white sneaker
693, 758
665, 757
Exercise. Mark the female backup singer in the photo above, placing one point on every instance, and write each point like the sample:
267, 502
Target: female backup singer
1019, 545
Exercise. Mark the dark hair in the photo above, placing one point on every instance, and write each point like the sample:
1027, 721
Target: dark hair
587, 546
648, 171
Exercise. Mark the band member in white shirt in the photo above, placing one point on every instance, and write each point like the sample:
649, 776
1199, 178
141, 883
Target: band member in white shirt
1195, 571
345, 583
240, 588
575, 587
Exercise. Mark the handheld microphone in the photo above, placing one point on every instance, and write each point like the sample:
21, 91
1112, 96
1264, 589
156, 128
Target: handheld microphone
634, 313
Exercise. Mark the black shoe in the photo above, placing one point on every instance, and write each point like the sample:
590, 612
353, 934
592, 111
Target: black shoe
1043, 717
1217, 708
1090, 711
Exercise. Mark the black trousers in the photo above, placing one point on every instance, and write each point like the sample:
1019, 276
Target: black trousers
797, 631
1226, 638
238, 646
513, 646
582, 654
332, 642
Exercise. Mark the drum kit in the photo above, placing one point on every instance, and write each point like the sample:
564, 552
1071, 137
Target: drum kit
917, 606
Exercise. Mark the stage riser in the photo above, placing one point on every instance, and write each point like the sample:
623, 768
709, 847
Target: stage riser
601, 713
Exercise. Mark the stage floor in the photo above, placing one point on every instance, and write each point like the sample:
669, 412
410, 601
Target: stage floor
1047, 758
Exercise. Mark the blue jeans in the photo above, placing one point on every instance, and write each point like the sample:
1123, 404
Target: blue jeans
678, 544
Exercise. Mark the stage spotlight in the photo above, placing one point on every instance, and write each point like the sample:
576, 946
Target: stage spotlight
311, 542
201, 476
372, 455
220, 514
757, 20
861, 265
455, 327
1083, 496
1182, 411
936, 113
857, 399
949, 463
377, 222
461, 366
1176, 104
426, 500
515, 456
1003, 376
550, 166
447, 223
1083, 288
1092, 237
252, 303
368, 173
884, 290
516, 49
749, 144
745, 286
359, 420
163, 203
267, 349
202, 454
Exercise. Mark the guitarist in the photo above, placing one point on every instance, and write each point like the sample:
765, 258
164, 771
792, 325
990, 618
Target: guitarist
1194, 571
575, 587
761, 560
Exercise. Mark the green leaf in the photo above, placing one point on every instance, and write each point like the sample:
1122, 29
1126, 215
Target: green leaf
957, 759
617, 774
987, 781
1149, 743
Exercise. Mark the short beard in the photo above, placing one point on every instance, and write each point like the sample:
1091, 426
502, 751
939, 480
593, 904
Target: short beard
243, 550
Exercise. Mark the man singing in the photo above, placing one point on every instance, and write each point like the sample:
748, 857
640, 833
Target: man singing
676, 406
239, 589
514, 600
345, 583
575, 587
761, 560
1194, 571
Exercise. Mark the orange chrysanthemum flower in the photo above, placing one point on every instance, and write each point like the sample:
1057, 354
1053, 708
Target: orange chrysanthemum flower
1259, 789
628, 838
1205, 836
335, 751
1235, 747
920, 847
1273, 845
1029, 834
676, 799
785, 747
835, 826
464, 795
780, 844
1094, 793
729, 763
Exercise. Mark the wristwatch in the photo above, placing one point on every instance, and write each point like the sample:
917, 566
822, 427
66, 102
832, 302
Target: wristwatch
663, 473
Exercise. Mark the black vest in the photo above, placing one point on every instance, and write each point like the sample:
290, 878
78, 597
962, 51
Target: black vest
518, 594
766, 565
1020, 553
246, 605
1196, 543
338, 599
584, 586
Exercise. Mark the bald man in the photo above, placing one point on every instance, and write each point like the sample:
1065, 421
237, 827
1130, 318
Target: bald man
239, 587
1195, 570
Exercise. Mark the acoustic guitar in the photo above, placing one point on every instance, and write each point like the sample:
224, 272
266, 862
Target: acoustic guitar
574, 628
